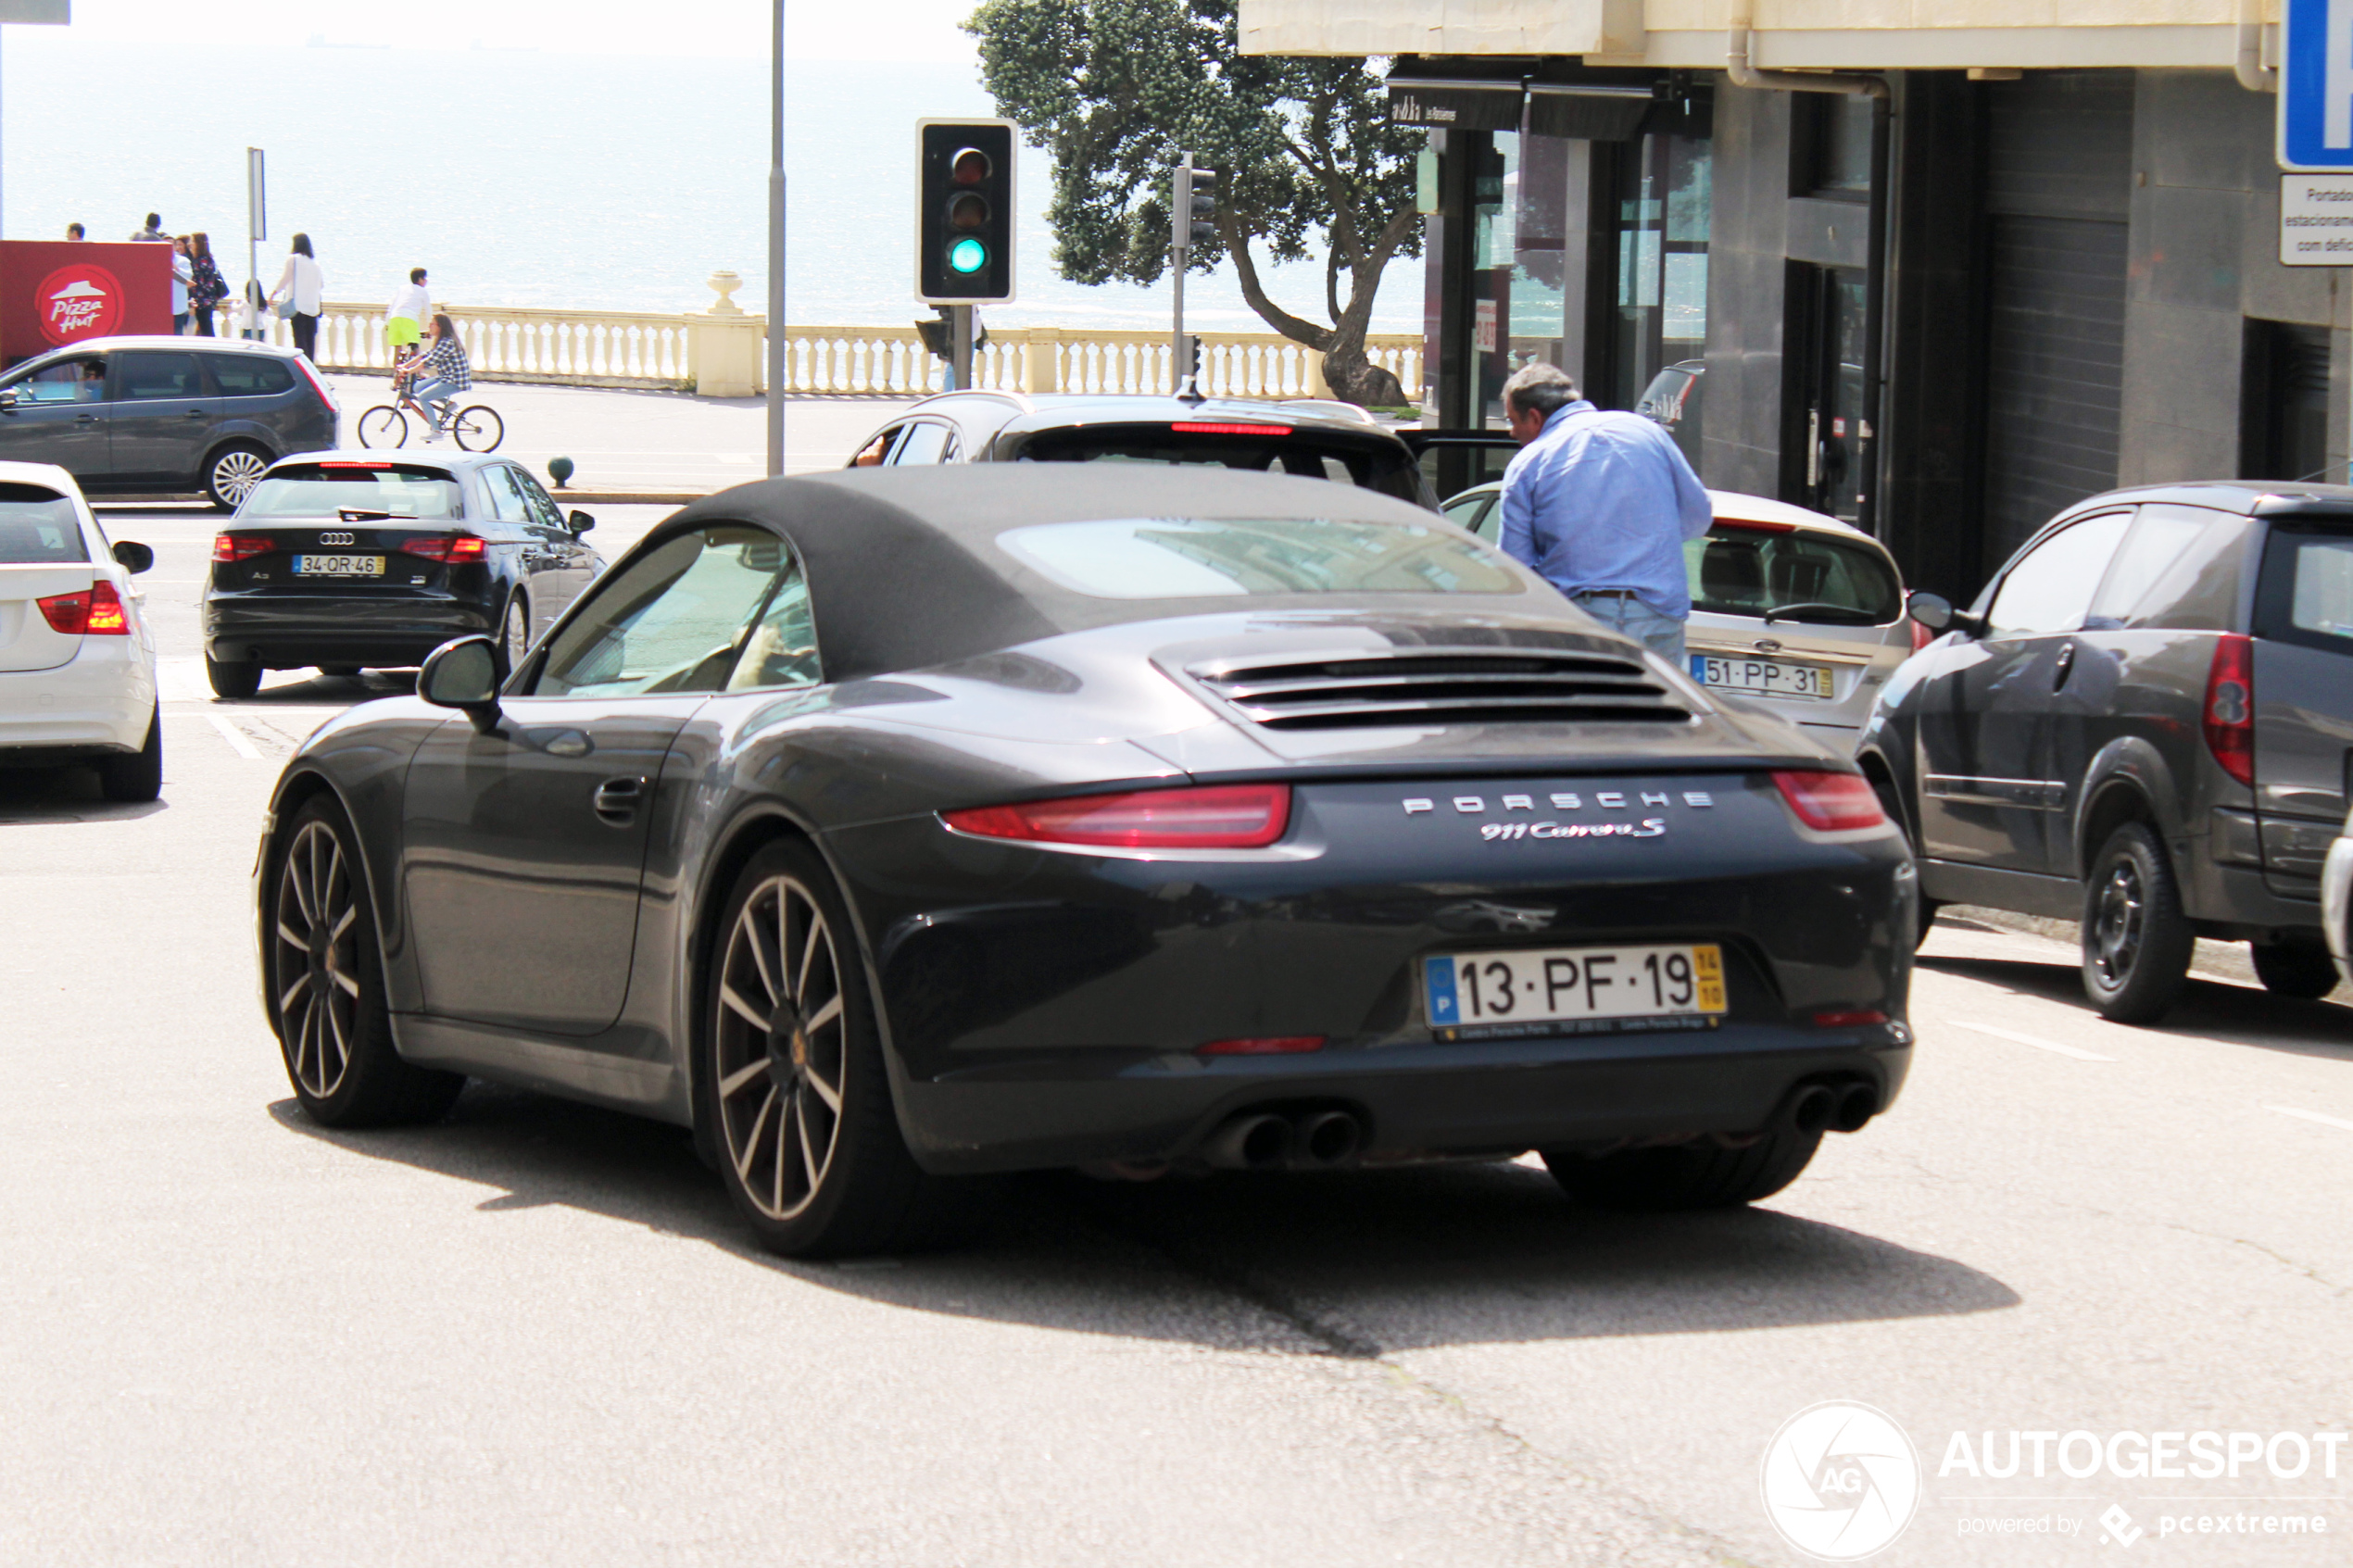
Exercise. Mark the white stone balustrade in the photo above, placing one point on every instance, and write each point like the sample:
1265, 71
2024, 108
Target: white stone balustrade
721, 352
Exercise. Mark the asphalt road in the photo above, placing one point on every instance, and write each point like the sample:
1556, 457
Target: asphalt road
535, 1334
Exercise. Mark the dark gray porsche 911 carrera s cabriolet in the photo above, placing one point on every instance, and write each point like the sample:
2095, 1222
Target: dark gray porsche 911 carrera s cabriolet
892, 825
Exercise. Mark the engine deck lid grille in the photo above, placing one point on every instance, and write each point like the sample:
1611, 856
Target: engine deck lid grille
1426, 686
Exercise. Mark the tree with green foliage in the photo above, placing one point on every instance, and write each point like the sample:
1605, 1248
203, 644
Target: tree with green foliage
1118, 90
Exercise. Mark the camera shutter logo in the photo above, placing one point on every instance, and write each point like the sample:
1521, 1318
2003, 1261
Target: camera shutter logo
78, 301
1841, 1481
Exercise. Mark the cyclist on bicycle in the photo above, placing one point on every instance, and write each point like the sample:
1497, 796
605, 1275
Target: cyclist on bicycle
442, 372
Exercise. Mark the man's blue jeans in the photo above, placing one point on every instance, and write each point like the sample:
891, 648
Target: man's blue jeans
1663, 635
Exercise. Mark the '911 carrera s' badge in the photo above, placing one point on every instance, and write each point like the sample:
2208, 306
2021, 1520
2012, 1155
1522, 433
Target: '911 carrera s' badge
1513, 827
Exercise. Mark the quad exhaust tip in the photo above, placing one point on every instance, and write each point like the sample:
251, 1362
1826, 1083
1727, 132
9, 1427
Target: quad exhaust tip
1266, 1140
1833, 1108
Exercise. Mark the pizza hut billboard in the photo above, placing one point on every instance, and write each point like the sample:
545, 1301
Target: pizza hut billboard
57, 293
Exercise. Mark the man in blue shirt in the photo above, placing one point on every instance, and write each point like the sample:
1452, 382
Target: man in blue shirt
1599, 504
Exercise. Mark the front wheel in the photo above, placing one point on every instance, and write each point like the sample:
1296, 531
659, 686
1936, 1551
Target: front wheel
478, 429
2136, 940
514, 637
383, 425
2287, 970
326, 986
794, 1089
233, 473
1699, 1174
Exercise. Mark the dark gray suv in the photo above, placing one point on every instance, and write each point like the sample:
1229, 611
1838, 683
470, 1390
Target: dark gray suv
149, 414
2145, 723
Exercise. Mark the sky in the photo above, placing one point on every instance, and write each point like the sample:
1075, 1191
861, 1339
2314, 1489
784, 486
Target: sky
815, 29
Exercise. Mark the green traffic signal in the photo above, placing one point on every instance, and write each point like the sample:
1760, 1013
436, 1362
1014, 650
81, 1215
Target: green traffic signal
968, 255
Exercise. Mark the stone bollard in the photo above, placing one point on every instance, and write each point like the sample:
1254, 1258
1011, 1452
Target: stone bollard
726, 344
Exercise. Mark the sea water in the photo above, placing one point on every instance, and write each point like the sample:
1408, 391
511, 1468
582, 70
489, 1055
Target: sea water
531, 178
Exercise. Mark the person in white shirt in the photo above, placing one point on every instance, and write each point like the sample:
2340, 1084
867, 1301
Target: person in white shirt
404, 323
183, 274
304, 287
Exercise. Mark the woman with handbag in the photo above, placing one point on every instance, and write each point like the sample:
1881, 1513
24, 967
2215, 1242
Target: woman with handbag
208, 288
300, 296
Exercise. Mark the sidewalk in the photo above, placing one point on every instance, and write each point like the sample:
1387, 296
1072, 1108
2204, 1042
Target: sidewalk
659, 441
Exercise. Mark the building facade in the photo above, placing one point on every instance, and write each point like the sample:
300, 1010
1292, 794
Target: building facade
1940, 276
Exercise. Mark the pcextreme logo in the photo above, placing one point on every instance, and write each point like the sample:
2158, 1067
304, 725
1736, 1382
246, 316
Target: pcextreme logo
1841, 1481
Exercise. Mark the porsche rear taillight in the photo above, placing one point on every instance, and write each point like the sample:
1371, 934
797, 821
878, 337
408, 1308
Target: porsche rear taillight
96, 611
1210, 817
445, 546
1831, 802
2230, 706
241, 547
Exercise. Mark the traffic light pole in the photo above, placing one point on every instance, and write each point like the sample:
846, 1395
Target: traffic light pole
960, 346
1181, 213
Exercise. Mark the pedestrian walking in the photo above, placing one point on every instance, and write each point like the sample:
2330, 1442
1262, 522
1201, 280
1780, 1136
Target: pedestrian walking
183, 274
301, 290
76, 231
206, 288
442, 372
404, 322
153, 231
1599, 504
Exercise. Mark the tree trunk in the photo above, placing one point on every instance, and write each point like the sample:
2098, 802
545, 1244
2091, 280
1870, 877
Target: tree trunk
1353, 377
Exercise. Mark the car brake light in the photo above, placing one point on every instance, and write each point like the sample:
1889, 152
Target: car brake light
2230, 706
1203, 427
1263, 1045
1833, 802
1848, 1018
1213, 817
318, 382
96, 611
241, 547
445, 546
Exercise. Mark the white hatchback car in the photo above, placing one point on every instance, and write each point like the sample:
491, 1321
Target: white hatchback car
77, 656
1790, 607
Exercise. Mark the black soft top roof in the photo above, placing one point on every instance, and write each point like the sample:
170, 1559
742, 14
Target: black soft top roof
904, 572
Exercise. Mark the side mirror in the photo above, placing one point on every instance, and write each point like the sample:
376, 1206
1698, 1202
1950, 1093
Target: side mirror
134, 556
581, 522
1932, 610
463, 673
9, 397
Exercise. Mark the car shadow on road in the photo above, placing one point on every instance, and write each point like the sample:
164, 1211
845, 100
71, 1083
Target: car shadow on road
2211, 1010
1353, 1264
63, 795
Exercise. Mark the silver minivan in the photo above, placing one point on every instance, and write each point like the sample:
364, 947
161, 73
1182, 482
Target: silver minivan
1790, 607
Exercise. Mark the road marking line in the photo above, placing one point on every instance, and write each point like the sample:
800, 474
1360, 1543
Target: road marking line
236, 738
2313, 1116
2076, 1051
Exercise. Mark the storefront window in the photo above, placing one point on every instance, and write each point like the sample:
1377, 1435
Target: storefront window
1662, 270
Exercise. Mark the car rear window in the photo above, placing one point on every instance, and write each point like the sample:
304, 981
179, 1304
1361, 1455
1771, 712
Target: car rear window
1190, 557
396, 490
1790, 573
38, 527
2306, 592
1281, 450
249, 375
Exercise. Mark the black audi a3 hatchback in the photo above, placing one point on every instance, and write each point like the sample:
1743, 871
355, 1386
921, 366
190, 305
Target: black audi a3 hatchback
348, 560
888, 827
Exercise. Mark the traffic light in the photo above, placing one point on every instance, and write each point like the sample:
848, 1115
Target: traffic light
1196, 205
964, 212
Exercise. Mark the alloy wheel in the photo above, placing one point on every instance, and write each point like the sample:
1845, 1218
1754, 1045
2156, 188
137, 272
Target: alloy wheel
516, 634
782, 1042
315, 977
237, 472
2115, 935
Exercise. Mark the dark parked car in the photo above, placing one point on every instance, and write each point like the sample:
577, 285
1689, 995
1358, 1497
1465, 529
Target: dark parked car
354, 559
2145, 723
888, 826
145, 414
1311, 438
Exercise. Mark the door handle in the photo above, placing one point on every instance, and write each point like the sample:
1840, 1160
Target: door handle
85, 419
2066, 663
616, 799
194, 414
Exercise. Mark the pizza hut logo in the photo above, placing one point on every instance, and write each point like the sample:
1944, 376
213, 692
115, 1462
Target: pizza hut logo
78, 301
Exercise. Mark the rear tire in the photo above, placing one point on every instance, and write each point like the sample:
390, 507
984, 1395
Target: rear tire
232, 678
383, 425
233, 473
477, 429
1692, 1176
2287, 970
139, 775
2136, 940
325, 988
514, 637
791, 1084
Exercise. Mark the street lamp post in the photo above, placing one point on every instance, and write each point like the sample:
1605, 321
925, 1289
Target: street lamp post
776, 248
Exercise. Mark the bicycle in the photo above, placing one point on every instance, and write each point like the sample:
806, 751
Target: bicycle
475, 428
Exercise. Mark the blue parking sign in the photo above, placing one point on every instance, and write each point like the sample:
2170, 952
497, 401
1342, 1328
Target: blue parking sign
2316, 84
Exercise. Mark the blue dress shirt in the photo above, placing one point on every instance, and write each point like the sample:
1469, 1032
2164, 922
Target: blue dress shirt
1605, 500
